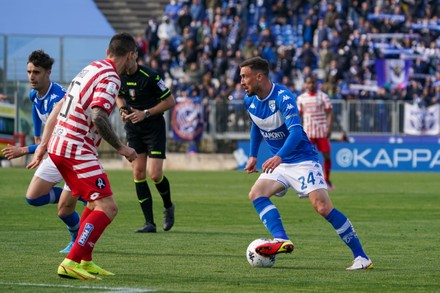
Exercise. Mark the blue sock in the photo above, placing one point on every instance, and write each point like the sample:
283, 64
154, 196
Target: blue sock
72, 223
346, 232
270, 217
52, 197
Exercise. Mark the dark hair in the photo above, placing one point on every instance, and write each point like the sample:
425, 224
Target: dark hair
313, 78
121, 44
257, 64
41, 59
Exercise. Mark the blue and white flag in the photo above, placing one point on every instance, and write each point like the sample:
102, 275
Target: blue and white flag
392, 72
382, 16
422, 120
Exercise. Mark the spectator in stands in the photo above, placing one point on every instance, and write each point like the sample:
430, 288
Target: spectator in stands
365, 9
220, 63
142, 47
237, 33
203, 32
412, 91
184, 18
193, 74
154, 65
341, 30
197, 10
236, 108
164, 53
281, 12
325, 56
331, 15
308, 30
233, 70
262, 24
248, 48
311, 14
172, 11
151, 34
321, 33
166, 30
284, 63
308, 57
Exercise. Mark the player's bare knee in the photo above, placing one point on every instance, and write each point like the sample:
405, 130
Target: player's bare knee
156, 178
139, 174
322, 207
32, 195
65, 210
322, 210
253, 195
112, 212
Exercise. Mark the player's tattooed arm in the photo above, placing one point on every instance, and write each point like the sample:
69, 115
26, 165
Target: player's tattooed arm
102, 123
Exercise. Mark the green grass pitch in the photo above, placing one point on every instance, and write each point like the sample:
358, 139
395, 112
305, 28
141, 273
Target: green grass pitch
396, 216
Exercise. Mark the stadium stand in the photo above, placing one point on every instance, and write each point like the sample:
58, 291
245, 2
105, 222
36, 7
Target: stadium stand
347, 44
131, 15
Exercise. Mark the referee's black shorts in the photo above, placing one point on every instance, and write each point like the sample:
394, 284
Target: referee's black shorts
148, 137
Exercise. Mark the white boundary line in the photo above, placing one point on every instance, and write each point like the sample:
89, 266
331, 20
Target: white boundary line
108, 289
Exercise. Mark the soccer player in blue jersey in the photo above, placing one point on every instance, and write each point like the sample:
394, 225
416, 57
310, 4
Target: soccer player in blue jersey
42, 190
294, 162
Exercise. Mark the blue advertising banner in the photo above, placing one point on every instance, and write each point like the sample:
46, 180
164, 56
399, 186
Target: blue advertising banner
386, 157
367, 156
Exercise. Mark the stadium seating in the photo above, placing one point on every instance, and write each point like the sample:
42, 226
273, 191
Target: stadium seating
131, 15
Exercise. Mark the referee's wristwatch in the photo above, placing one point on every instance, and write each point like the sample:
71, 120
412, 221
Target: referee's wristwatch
147, 113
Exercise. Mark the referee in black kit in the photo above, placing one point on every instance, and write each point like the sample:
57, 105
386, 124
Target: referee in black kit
142, 100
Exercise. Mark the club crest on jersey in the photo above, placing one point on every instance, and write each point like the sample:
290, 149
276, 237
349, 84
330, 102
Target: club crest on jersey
132, 93
100, 183
272, 105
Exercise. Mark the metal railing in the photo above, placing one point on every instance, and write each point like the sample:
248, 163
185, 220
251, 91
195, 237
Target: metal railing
230, 121
373, 117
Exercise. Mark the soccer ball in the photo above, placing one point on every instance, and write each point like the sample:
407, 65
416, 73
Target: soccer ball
257, 260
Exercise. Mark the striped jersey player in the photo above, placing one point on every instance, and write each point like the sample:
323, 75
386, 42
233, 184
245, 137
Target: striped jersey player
81, 121
75, 135
315, 109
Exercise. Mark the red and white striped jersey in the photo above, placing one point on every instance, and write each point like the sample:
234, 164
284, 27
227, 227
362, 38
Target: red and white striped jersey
313, 107
75, 136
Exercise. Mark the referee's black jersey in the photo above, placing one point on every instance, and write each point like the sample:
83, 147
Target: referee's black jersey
144, 89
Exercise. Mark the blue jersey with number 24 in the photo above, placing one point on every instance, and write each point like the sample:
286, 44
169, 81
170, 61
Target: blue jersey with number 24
272, 119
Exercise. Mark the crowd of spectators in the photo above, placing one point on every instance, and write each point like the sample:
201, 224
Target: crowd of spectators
197, 45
